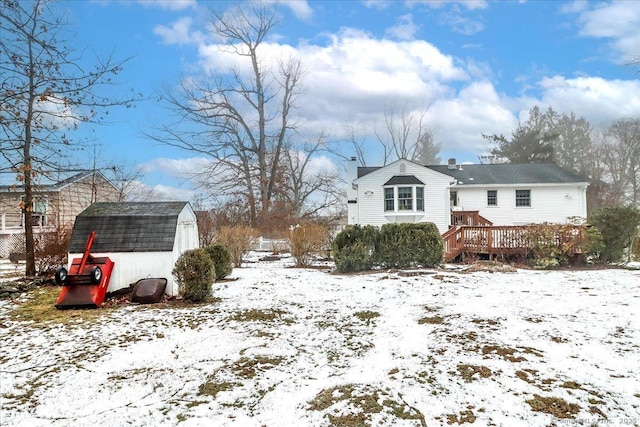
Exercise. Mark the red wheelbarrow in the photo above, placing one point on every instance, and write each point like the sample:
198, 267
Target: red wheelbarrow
85, 284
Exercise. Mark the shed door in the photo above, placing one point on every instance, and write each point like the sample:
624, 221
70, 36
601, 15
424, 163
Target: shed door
187, 237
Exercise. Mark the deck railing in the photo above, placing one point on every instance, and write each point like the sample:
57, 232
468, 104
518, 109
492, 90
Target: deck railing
469, 218
499, 240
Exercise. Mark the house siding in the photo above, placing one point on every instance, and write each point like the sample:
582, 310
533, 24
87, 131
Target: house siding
369, 209
63, 203
549, 203
74, 198
555, 194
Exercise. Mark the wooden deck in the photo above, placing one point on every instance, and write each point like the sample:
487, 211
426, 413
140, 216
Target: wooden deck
489, 240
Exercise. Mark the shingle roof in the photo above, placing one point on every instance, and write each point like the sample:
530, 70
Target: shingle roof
404, 180
127, 227
509, 173
365, 170
45, 185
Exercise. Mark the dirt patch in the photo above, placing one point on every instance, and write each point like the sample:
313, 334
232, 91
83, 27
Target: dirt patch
250, 367
466, 416
555, 406
431, 320
471, 373
506, 353
353, 405
367, 316
490, 267
257, 315
212, 388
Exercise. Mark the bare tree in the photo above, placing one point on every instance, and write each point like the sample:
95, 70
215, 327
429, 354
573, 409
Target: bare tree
620, 153
602, 192
404, 135
45, 92
307, 191
240, 119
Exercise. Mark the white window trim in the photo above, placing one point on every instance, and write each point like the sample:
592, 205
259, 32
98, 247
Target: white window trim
487, 198
396, 201
515, 198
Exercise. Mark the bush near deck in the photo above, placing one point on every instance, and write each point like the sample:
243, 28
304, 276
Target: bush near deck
359, 248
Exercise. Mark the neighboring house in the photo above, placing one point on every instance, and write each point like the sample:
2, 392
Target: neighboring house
55, 206
497, 194
143, 239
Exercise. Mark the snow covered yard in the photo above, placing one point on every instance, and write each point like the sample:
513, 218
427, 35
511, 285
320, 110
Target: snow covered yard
301, 347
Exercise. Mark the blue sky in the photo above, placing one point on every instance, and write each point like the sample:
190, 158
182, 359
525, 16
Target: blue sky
478, 66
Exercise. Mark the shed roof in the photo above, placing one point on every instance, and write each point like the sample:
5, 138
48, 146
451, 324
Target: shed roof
127, 227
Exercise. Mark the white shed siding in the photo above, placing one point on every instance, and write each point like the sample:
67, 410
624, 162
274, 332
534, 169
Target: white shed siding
549, 203
129, 267
369, 209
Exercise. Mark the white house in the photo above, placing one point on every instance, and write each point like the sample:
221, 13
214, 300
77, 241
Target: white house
500, 194
144, 240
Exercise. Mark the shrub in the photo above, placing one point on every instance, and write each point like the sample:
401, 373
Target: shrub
195, 273
237, 240
552, 245
221, 258
408, 245
354, 248
51, 251
618, 225
307, 241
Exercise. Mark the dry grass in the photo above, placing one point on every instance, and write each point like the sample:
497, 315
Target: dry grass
367, 316
431, 320
472, 372
257, 315
39, 310
555, 406
358, 403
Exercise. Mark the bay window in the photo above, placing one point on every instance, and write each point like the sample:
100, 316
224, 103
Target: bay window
404, 199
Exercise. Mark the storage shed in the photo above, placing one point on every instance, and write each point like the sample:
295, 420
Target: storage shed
143, 239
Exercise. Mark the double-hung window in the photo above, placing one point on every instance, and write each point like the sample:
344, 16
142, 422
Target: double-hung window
405, 198
492, 197
389, 199
420, 199
523, 198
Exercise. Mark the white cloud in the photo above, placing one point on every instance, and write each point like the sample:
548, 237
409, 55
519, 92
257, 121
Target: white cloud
377, 4
406, 29
300, 8
169, 4
616, 21
177, 168
179, 33
350, 79
576, 6
439, 4
600, 101
166, 193
462, 120
460, 23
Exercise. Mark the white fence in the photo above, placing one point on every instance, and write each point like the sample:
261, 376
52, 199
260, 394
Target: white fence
270, 245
